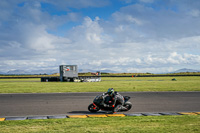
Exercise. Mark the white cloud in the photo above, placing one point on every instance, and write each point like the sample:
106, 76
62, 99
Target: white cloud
89, 34
126, 18
136, 38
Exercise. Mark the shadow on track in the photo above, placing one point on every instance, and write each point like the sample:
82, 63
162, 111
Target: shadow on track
87, 112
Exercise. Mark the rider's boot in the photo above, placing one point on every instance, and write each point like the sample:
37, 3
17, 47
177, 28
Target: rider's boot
123, 108
119, 108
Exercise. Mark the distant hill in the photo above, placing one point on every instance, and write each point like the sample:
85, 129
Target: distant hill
49, 72
44, 71
108, 71
90, 70
2, 73
85, 70
17, 72
186, 70
23, 72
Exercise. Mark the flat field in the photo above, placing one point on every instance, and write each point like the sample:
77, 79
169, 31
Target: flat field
121, 84
152, 124
128, 124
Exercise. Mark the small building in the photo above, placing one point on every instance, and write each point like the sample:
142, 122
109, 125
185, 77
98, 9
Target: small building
69, 73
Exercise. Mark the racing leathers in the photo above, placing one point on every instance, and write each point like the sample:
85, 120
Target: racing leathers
105, 98
117, 101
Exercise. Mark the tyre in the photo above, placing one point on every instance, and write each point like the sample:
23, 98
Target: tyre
91, 108
128, 105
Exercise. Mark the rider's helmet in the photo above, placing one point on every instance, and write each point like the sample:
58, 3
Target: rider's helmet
110, 91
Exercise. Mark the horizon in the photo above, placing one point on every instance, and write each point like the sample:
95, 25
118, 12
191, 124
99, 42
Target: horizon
50, 72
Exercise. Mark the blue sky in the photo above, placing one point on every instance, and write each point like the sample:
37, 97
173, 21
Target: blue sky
119, 35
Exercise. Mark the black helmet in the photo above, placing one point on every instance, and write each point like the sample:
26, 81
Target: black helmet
110, 91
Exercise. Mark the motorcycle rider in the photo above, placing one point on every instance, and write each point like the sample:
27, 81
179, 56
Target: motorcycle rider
118, 100
104, 98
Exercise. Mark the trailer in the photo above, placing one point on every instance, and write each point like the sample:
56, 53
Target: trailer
69, 73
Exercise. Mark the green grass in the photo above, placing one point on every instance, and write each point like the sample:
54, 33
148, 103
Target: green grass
154, 124
127, 84
150, 124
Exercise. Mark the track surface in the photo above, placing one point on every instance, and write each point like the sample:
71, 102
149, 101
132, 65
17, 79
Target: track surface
77, 103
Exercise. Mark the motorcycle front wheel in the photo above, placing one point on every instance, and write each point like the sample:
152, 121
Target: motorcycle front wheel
128, 105
92, 108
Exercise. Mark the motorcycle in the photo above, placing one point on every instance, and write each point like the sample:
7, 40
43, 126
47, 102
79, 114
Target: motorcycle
96, 105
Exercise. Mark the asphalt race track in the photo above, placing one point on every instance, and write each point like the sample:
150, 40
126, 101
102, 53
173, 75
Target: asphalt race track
77, 103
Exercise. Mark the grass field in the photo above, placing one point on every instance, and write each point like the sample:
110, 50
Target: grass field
154, 124
122, 84
138, 124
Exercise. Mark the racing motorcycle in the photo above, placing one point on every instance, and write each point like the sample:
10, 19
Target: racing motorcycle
96, 105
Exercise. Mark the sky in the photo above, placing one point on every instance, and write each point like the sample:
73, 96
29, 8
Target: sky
134, 36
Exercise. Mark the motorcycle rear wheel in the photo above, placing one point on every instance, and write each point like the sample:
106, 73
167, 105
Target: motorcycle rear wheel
91, 108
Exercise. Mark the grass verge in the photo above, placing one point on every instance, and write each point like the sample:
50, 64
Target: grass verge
155, 124
127, 84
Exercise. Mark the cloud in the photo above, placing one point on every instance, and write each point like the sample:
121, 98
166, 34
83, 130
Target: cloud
165, 23
141, 36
